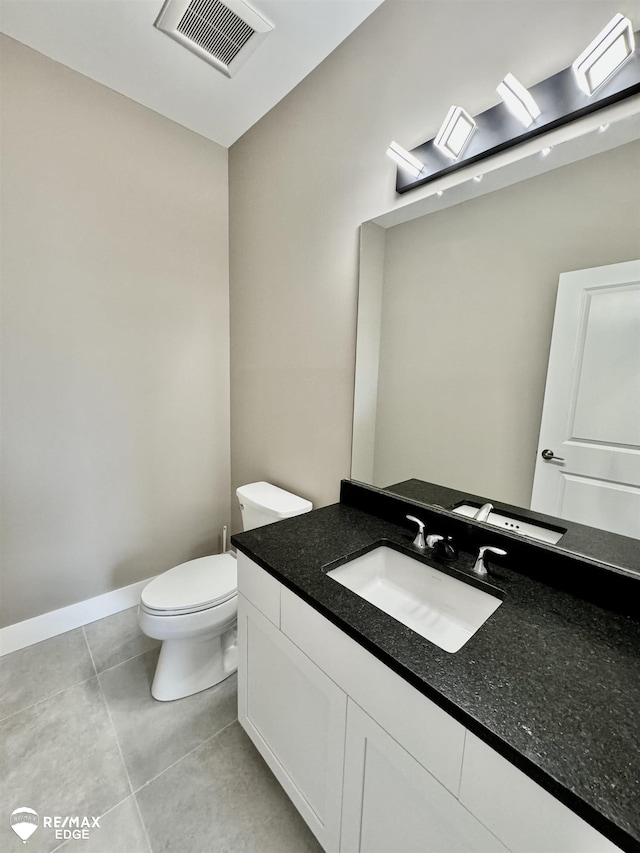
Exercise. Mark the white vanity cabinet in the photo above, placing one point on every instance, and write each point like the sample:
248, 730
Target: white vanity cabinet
371, 763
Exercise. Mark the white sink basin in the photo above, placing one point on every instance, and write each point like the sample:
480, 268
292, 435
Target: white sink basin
441, 608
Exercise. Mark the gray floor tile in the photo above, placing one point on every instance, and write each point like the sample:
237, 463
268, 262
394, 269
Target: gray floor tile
120, 831
223, 798
30, 675
153, 735
117, 638
60, 757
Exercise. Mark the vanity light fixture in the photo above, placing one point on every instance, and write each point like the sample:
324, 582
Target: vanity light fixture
606, 54
440, 193
604, 127
607, 72
455, 133
405, 159
519, 100
478, 178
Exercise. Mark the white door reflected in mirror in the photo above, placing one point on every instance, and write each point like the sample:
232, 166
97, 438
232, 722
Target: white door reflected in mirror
591, 414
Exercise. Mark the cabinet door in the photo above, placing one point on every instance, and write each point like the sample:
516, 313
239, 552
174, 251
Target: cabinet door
296, 716
434, 738
391, 803
520, 812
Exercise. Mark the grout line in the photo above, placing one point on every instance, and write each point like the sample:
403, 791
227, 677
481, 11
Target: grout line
62, 689
93, 663
74, 683
50, 696
144, 826
178, 760
128, 660
124, 764
115, 734
464, 747
108, 811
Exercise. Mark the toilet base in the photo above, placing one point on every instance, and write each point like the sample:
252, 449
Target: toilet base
188, 666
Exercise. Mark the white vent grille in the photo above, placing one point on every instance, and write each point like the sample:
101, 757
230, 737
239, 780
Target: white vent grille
223, 34
215, 28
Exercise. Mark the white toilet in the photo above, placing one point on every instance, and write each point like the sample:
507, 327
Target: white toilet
192, 608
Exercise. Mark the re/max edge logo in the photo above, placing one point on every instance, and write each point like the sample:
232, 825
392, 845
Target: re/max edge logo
24, 821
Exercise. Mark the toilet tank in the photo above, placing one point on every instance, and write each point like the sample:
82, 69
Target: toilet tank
263, 503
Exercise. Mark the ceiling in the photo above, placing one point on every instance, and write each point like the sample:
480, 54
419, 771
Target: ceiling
115, 43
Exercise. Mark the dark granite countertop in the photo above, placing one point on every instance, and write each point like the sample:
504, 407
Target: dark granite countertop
551, 680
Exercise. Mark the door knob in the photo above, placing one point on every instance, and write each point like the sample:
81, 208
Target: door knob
548, 455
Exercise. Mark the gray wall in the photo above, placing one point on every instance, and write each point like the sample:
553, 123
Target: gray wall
115, 345
304, 178
467, 314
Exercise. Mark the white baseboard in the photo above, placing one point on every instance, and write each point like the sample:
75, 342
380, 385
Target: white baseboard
31, 631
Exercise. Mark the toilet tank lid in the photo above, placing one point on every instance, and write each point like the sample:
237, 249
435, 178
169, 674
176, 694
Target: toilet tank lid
272, 499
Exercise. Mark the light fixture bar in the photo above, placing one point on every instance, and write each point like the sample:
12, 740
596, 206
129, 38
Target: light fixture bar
519, 100
405, 159
606, 54
455, 133
557, 100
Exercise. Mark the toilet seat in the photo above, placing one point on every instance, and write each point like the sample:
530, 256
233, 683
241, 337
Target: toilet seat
193, 586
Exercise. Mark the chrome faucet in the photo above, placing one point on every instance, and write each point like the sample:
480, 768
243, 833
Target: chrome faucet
421, 541
480, 567
483, 512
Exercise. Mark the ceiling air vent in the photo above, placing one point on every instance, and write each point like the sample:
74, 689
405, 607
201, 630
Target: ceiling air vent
223, 34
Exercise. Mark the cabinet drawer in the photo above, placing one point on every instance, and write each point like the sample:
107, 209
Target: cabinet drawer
262, 590
522, 814
424, 730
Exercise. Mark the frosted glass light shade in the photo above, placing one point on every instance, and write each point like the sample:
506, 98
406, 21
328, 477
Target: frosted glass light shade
518, 100
606, 54
405, 159
455, 133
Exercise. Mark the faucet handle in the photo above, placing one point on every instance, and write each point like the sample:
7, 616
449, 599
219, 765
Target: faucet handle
433, 539
419, 541
480, 567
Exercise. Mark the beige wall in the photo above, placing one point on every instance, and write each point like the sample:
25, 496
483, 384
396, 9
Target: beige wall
304, 178
468, 304
115, 339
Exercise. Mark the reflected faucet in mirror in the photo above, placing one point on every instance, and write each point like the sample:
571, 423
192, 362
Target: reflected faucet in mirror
483, 512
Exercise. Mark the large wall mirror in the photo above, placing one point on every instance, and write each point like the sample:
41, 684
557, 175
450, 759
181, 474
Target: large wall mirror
456, 311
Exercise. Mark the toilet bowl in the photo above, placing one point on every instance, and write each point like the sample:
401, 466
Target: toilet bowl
193, 607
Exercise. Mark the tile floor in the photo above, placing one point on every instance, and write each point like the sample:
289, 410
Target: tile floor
81, 735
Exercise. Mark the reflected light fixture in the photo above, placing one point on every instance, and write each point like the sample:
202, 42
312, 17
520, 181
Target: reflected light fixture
518, 99
606, 54
455, 133
405, 159
546, 151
